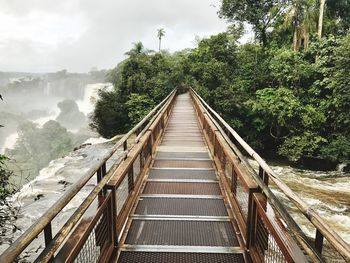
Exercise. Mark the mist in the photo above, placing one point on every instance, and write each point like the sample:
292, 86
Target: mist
39, 109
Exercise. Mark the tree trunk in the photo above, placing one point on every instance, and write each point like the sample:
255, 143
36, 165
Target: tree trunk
320, 18
306, 36
160, 43
263, 37
295, 39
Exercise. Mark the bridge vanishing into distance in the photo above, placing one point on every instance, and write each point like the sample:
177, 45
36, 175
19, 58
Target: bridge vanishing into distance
181, 191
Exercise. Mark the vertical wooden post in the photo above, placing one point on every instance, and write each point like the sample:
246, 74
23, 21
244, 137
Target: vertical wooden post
99, 174
250, 218
114, 217
319, 241
48, 234
131, 179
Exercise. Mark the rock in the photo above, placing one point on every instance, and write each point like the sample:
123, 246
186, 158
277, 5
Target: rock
38, 197
82, 146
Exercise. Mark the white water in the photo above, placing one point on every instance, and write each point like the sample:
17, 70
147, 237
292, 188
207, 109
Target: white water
86, 105
9, 142
328, 193
42, 120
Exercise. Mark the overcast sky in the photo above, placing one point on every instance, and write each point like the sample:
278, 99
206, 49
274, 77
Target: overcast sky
50, 35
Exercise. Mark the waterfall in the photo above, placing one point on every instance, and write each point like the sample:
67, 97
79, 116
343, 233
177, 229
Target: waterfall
86, 105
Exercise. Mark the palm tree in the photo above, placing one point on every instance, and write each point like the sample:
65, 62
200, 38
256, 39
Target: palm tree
161, 33
138, 49
301, 16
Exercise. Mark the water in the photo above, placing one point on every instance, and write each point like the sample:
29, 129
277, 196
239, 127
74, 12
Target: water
86, 105
328, 193
9, 142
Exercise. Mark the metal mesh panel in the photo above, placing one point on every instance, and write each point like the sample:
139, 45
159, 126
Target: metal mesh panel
182, 188
228, 169
136, 167
146, 151
98, 237
182, 174
122, 194
181, 233
183, 164
266, 245
242, 198
157, 257
181, 206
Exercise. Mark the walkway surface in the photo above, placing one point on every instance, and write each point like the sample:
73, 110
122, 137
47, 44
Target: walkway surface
181, 215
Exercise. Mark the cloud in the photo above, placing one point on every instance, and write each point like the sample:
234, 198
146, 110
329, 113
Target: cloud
41, 36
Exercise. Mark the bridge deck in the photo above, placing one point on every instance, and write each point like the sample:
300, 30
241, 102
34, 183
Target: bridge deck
181, 214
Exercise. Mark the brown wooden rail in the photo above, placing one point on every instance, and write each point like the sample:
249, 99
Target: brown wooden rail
225, 145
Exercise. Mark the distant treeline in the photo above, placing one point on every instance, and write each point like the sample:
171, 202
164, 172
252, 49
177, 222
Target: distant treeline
287, 93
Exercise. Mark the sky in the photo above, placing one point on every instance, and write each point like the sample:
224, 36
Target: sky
51, 35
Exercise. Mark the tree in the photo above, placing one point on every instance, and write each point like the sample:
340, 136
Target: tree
6, 189
160, 34
140, 82
320, 18
300, 15
261, 14
137, 50
36, 147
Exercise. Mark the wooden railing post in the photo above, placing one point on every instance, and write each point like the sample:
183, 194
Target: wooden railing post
131, 179
319, 241
114, 217
251, 217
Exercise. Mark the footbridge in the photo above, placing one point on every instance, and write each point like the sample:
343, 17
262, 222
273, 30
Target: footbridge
181, 190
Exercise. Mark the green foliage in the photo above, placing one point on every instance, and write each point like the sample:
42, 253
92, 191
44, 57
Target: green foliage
110, 115
278, 107
6, 189
281, 101
261, 14
36, 147
291, 69
138, 106
289, 103
337, 149
304, 144
140, 82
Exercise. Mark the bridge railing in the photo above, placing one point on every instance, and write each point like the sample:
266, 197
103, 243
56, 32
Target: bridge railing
264, 228
91, 232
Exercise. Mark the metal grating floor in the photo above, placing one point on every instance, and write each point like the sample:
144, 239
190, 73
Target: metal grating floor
182, 188
161, 257
183, 155
181, 233
179, 174
181, 206
183, 163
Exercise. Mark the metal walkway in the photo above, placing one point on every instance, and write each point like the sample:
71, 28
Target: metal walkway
181, 214
178, 188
